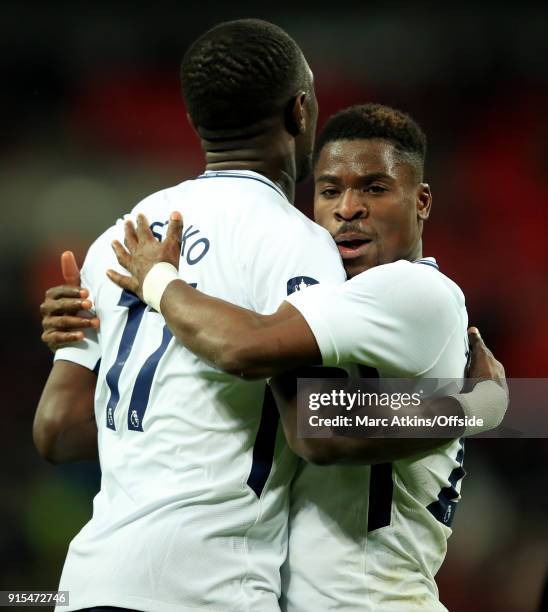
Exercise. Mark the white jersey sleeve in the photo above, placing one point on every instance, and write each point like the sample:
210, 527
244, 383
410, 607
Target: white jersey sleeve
396, 318
87, 352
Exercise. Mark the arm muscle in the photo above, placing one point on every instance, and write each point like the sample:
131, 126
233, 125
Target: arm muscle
236, 340
64, 426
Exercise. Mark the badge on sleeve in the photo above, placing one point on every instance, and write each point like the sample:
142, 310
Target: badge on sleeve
299, 283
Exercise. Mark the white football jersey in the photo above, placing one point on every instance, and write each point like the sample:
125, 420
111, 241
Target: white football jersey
192, 511
372, 538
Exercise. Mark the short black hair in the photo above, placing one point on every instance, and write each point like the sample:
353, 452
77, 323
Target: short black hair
239, 73
375, 121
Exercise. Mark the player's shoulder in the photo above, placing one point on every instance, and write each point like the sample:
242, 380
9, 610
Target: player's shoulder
429, 276
160, 201
255, 203
246, 197
155, 205
230, 191
407, 280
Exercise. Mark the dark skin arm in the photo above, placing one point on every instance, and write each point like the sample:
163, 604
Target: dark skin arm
64, 427
233, 339
236, 340
340, 449
251, 345
68, 418
366, 451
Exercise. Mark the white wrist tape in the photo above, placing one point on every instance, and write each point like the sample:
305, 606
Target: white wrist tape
487, 401
156, 282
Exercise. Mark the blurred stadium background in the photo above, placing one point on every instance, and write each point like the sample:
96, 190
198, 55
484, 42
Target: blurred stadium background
93, 122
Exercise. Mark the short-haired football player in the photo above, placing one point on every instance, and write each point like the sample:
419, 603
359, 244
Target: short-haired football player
192, 511
361, 538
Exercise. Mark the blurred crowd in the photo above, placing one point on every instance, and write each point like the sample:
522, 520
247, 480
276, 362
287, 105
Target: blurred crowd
94, 122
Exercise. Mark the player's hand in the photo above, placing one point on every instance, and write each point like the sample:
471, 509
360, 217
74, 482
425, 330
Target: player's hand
65, 310
142, 251
483, 365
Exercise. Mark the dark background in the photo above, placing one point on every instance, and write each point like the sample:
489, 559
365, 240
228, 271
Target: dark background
93, 122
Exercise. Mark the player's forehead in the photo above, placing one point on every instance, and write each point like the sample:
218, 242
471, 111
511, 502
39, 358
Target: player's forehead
358, 157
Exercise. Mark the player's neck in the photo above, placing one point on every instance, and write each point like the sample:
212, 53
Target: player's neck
415, 253
265, 150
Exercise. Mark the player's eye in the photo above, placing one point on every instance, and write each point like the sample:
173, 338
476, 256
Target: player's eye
328, 192
376, 189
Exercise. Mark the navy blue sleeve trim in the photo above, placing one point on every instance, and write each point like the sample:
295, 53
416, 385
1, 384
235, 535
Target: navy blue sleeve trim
445, 506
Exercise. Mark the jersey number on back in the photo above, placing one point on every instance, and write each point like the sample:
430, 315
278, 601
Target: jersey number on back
143, 382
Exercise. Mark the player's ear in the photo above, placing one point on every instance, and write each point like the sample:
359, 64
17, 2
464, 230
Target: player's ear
424, 201
296, 114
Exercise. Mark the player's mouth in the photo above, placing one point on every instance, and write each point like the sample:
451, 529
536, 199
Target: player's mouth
352, 245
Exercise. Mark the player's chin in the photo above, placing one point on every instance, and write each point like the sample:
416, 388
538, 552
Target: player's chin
356, 266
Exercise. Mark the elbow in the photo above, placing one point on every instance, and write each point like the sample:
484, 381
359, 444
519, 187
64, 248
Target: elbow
45, 434
43, 438
240, 361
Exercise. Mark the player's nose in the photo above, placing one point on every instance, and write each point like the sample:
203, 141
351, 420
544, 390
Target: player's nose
350, 206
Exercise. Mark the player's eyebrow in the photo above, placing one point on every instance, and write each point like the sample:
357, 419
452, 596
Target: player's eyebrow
365, 178
376, 176
327, 178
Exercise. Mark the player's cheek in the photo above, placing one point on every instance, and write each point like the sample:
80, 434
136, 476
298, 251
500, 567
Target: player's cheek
318, 208
324, 212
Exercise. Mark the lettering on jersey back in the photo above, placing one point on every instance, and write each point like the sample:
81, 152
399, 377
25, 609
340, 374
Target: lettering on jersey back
194, 246
197, 248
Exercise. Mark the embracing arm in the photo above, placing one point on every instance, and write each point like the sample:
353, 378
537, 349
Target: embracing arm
233, 339
340, 449
245, 343
64, 426
237, 340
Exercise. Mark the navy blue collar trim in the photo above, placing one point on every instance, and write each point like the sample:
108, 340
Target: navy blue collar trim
427, 262
234, 174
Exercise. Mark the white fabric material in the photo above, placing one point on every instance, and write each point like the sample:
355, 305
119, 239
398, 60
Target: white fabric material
398, 318
156, 282
405, 320
176, 526
487, 401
